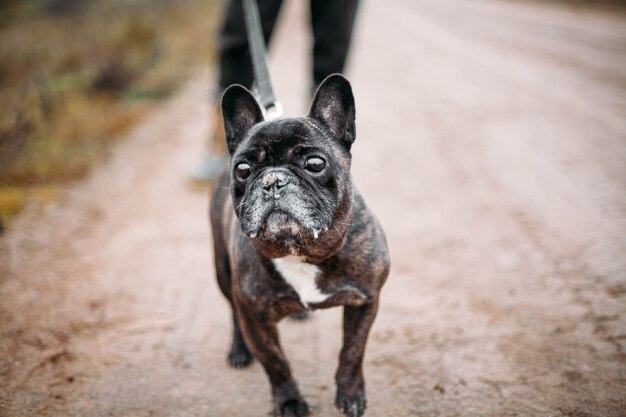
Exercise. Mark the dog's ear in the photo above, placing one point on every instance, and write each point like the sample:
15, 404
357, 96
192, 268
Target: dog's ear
241, 111
333, 105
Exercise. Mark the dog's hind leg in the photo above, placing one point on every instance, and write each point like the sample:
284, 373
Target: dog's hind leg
239, 355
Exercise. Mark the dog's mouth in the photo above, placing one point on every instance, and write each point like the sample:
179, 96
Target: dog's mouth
279, 224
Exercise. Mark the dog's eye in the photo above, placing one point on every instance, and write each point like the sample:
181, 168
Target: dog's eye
315, 165
242, 171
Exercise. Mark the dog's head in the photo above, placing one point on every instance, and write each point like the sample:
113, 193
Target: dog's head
290, 178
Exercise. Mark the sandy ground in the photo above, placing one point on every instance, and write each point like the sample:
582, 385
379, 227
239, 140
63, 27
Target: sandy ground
491, 144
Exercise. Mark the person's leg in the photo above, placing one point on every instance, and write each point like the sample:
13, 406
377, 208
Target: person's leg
235, 67
234, 56
332, 22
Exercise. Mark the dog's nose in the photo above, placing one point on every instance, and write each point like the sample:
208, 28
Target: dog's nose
273, 181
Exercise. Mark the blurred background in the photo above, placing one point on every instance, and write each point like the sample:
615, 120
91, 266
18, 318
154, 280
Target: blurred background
76, 75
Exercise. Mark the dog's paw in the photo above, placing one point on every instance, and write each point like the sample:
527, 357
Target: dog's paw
302, 316
239, 357
352, 404
292, 408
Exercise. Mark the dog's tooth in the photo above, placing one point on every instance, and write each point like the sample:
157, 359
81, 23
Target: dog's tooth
316, 233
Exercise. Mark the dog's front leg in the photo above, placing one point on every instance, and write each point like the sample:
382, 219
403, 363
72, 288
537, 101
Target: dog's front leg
357, 322
261, 336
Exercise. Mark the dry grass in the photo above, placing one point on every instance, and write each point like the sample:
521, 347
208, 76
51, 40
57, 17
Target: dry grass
75, 75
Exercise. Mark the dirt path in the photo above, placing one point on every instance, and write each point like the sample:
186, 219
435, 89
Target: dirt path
491, 145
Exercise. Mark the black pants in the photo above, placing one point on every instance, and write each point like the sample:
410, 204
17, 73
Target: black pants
331, 21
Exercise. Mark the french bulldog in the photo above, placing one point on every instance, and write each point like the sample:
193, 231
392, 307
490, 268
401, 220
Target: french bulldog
291, 234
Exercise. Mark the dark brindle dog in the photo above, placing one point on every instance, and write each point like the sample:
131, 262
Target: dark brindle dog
302, 237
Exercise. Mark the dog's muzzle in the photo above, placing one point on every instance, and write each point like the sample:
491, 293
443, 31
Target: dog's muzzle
273, 182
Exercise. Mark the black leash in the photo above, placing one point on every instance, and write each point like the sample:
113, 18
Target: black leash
258, 53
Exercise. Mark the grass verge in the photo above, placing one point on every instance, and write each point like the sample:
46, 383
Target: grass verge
76, 75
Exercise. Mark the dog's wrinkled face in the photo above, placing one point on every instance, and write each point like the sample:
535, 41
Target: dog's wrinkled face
290, 178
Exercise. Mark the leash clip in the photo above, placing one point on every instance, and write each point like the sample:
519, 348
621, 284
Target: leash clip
274, 111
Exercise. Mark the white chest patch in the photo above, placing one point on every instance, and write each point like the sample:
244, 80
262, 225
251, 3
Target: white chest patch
301, 276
